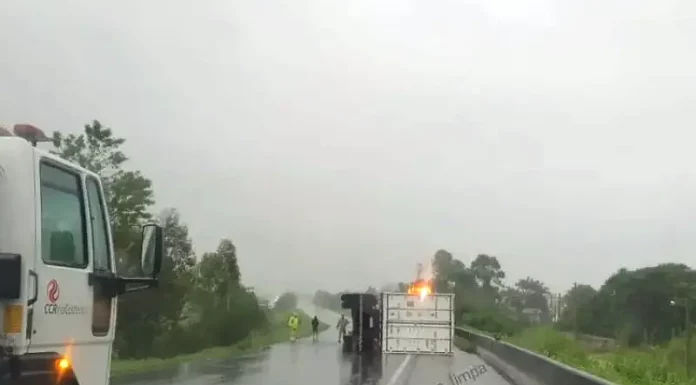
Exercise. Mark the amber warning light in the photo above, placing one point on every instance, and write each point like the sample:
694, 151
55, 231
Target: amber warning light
63, 363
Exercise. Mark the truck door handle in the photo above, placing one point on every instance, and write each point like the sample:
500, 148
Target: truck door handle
33, 299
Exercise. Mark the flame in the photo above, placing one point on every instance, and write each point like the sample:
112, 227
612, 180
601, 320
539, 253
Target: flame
424, 293
420, 288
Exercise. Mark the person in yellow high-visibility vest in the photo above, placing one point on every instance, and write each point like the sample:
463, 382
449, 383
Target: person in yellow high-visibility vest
294, 324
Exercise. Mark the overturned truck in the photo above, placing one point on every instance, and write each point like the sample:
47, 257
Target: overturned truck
418, 322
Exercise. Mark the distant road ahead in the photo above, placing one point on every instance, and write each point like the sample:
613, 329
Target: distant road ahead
322, 363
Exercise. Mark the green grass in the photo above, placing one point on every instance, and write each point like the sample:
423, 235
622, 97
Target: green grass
253, 344
661, 365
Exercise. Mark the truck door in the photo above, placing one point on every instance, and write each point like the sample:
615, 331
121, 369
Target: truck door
73, 239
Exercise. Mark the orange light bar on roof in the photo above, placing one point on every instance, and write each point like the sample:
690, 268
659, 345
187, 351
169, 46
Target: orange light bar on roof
31, 133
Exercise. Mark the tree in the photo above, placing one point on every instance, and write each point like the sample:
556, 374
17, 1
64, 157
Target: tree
218, 300
195, 303
179, 259
447, 271
129, 194
442, 267
164, 304
228, 253
287, 301
463, 277
96, 149
177, 243
487, 271
634, 305
475, 288
575, 300
534, 295
442, 264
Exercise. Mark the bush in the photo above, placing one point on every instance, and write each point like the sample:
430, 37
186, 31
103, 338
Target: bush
213, 326
287, 301
551, 343
491, 321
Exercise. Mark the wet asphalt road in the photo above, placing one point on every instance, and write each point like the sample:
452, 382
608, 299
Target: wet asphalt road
322, 363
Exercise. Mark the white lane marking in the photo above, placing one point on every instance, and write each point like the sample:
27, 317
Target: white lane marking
399, 370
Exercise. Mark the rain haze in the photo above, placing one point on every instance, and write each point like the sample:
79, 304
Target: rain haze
340, 143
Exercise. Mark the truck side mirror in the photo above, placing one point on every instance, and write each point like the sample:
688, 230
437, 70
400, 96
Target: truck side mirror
152, 249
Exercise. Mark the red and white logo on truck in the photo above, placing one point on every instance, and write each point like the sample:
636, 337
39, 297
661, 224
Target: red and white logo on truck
53, 291
53, 307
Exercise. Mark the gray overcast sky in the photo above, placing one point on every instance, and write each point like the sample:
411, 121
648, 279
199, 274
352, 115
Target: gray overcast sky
337, 143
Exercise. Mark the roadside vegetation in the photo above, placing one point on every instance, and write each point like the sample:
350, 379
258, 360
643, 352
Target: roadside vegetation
646, 365
201, 306
257, 341
629, 331
201, 295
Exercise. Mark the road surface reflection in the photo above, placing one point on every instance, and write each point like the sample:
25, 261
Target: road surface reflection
321, 363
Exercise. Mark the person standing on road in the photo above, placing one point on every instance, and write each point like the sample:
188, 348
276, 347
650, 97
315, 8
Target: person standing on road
341, 326
315, 328
293, 324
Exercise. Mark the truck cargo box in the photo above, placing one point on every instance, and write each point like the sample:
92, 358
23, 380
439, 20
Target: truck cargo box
415, 324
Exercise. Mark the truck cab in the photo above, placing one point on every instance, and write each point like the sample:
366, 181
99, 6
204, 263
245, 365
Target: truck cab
365, 320
58, 278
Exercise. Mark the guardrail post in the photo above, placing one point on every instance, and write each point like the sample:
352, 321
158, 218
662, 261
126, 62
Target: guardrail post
687, 347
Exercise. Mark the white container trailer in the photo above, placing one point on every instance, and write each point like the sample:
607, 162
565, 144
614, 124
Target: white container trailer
412, 324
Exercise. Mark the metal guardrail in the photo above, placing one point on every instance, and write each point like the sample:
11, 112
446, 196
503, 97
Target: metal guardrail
540, 368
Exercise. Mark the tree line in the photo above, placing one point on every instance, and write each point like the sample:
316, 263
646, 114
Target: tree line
479, 287
200, 302
641, 306
483, 299
327, 300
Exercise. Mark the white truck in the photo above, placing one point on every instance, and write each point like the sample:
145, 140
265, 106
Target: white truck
410, 323
58, 282
417, 324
